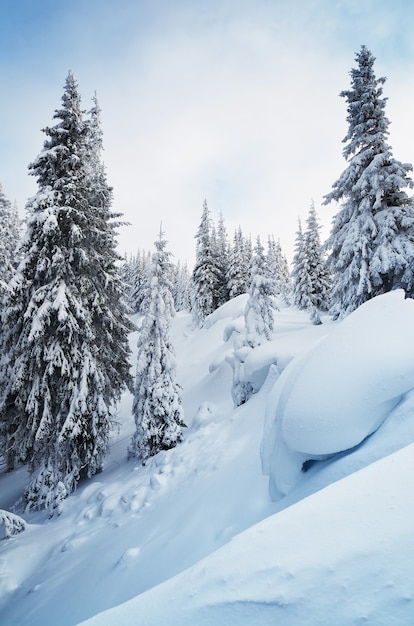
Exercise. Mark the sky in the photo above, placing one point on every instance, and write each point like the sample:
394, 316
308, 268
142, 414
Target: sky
232, 101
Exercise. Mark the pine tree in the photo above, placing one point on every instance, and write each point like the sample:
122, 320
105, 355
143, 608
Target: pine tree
259, 323
278, 269
317, 278
238, 267
206, 273
9, 241
299, 274
372, 238
311, 280
157, 405
181, 287
66, 344
140, 280
222, 261
284, 281
260, 305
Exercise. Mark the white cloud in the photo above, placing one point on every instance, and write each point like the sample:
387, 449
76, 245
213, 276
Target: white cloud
236, 102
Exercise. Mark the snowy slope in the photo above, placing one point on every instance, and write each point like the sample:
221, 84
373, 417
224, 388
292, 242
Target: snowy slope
343, 556
200, 515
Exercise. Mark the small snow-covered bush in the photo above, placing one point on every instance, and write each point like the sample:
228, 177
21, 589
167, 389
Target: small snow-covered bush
10, 524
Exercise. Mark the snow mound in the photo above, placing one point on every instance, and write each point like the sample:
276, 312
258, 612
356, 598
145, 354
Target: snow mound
338, 393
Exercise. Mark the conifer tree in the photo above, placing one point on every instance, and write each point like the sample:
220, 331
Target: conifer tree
222, 261
260, 305
278, 269
66, 345
238, 269
317, 278
299, 274
259, 323
372, 238
157, 404
181, 287
206, 273
9, 241
141, 271
310, 274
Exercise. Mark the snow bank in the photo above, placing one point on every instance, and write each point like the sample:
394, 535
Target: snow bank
331, 398
342, 556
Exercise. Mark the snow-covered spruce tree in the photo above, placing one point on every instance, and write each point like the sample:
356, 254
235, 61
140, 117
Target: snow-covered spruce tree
221, 251
278, 269
238, 268
372, 238
259, 323
299, 275
141, 271
66, 340
206, 273
285, 283
261, 304
181, 287
157, 405
310, 274
317, 274
9, 241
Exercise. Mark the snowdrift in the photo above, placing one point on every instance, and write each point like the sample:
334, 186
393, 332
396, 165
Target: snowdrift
343, 556
340, 391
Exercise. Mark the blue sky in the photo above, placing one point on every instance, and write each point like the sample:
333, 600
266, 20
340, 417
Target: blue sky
233, 101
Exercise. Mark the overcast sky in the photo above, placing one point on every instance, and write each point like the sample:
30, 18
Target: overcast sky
235, 101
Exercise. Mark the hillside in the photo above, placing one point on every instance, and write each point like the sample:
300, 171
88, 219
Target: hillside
194, 537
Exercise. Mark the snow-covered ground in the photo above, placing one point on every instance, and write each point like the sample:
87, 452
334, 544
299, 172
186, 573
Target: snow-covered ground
193, 538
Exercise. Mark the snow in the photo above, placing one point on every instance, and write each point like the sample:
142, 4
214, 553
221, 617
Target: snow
340, 392
193, 537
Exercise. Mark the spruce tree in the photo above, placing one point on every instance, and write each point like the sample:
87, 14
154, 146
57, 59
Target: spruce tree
66, 342
261, 305
222, 261
259, 323
9, 241
206, 273
140, 280
181, 287
157, 404
238, 268
299, 274
317, 280
372, 238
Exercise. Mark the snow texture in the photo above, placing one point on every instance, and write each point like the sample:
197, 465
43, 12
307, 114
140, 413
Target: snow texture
193, 538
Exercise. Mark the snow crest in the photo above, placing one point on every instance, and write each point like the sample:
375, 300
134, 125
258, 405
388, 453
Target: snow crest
331, 398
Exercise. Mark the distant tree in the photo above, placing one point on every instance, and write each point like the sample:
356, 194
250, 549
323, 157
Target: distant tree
222, 261
260, 305
206, 273
259, 323
140, 276
310, 274
318, 279
181, 287
157, 404
299, 271
9, 241
372, 238
65, 349
278, 269
238, 267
